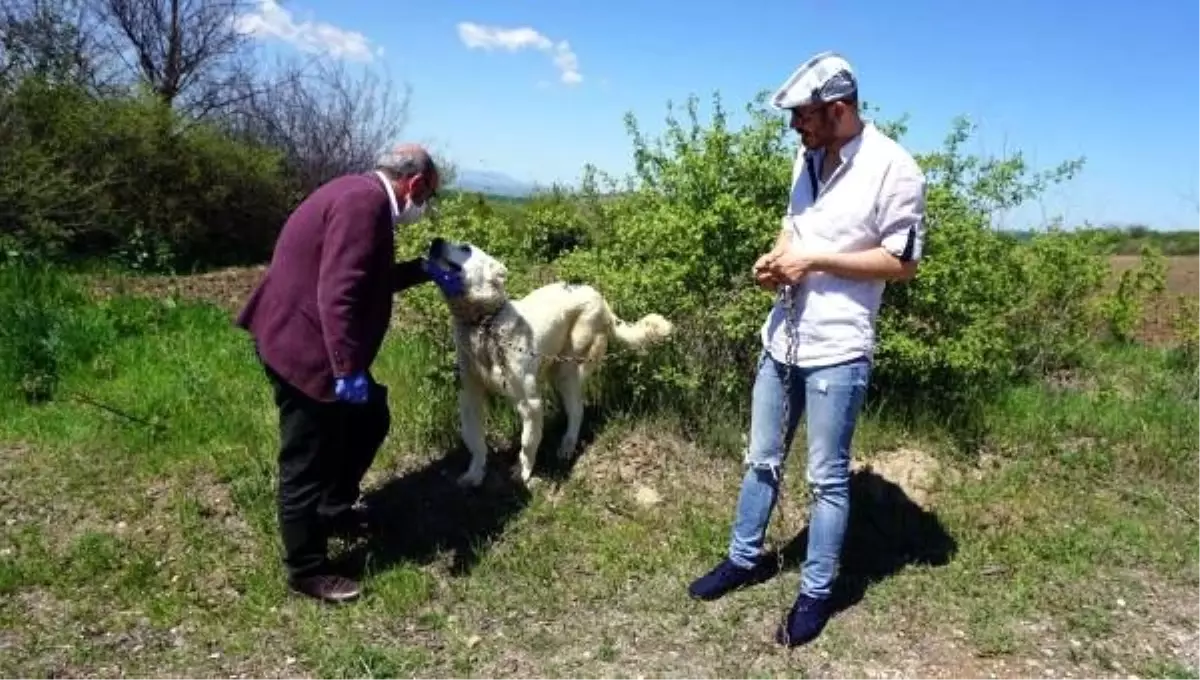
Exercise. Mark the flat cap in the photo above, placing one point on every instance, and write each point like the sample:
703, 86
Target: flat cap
823, 78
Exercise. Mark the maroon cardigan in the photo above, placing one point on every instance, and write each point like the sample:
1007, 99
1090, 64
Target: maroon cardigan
325, 301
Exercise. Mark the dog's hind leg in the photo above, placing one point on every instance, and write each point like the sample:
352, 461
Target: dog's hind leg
568, 378
531, 412
471, 415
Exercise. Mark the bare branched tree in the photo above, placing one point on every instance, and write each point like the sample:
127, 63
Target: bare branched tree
325, 119
189, 52
56, 40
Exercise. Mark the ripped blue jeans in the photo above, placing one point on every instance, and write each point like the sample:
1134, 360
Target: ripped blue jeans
831, 397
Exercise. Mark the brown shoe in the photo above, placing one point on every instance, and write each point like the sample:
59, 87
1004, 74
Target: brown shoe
326, 587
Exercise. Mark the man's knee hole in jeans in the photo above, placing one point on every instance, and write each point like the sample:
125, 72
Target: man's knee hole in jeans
773, 462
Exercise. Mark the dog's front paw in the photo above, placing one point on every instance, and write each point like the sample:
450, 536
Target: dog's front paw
471, 479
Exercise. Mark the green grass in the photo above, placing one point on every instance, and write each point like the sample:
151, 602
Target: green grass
145, 543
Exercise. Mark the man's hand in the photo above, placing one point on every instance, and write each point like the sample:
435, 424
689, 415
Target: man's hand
763, 274
409, 273
791, 266
352, 388
451, 283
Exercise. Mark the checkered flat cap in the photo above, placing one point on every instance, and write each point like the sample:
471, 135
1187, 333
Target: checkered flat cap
825, 77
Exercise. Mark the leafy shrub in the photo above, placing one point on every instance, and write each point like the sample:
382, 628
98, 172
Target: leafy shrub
984, 310
1122, 310
1185, 353
129, 178
680, 235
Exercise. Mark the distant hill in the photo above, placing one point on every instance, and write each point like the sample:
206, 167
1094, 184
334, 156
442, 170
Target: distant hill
491, 183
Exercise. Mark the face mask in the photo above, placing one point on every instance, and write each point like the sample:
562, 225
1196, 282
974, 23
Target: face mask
411, 213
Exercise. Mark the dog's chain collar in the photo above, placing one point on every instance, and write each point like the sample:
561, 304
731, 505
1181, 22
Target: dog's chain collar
485, 323
486, 326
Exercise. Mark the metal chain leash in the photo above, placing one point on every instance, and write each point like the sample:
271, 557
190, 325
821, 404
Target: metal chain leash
788, 295
487, 328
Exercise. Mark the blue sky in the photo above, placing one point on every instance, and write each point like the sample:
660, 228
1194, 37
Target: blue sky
495, 88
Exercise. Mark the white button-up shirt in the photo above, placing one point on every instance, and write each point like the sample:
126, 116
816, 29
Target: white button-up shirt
391, 192
875, 198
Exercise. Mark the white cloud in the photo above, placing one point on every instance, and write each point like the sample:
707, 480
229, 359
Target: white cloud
271, 20
489, 38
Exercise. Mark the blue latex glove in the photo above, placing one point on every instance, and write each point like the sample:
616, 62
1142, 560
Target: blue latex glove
450, 282
352, 388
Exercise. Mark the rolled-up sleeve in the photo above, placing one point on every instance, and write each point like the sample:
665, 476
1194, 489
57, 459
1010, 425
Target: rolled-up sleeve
902, 212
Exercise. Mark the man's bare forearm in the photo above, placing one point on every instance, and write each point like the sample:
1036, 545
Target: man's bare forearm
781, 241
875, 263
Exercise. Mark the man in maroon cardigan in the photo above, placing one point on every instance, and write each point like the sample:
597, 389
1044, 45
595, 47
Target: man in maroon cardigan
318, 318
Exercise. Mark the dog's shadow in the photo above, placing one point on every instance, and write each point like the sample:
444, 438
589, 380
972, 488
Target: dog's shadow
549, 466
886, 532
423, 515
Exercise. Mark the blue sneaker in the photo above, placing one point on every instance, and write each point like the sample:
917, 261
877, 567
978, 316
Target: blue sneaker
804, 622
727, 576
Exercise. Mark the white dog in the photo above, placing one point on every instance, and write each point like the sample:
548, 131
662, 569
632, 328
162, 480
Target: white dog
511, 346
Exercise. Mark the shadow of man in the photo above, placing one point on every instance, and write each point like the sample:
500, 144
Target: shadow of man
886, 532
423, 514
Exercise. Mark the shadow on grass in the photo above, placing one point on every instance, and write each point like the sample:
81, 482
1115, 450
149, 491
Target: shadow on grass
549, 466
886, 532
423, 515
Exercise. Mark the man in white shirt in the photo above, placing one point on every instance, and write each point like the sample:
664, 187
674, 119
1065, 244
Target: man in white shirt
854, 222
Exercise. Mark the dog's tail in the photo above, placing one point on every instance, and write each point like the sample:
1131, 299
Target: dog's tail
645, 331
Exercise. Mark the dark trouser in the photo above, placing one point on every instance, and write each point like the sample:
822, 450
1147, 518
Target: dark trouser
325, 450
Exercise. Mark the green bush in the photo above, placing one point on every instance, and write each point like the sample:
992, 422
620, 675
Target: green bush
706, 198
127, 177
1123, 309
984, 310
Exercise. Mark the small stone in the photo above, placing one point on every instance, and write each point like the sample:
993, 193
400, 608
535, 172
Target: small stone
289, 661
472, 641
646, 496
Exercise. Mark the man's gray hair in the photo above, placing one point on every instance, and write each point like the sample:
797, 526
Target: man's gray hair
405, 160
